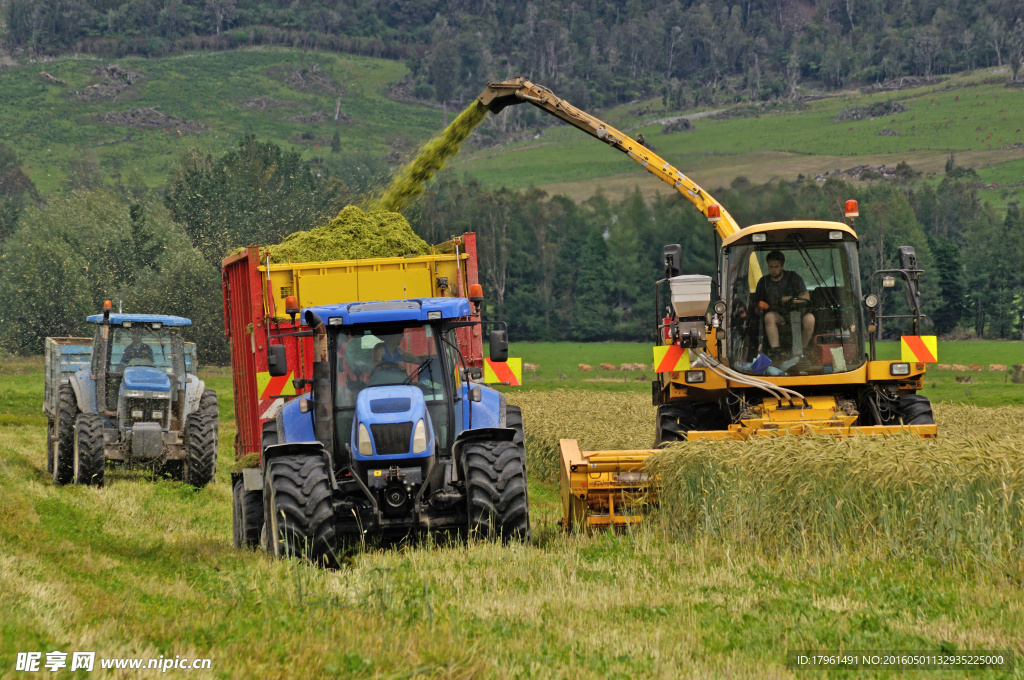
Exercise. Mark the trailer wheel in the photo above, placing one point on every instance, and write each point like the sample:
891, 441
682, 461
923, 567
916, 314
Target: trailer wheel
64, 452
247, 520
915, 409
496, 490
90, 458
675, 420
298, 513
201, 448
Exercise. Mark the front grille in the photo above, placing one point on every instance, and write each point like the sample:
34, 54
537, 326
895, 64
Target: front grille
392, 438
147, 406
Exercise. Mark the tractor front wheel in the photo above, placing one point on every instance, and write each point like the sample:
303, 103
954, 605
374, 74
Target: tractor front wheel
201, 442
496, 490
675, 420
914, 409
64, 448
90, 459
298, 513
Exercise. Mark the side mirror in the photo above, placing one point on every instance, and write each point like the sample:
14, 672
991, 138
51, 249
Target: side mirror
475, 394
277, 361
908, 259
498, 341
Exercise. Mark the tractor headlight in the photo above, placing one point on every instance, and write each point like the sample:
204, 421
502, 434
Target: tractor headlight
158, 415
870, 300
899, 369
363, 442
694, 377
137, 414
419, 437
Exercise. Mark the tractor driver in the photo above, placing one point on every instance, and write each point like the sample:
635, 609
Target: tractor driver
778, 292
390, 354
137, 349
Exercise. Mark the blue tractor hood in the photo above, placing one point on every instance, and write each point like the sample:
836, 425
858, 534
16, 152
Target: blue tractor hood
390, 414
145, 378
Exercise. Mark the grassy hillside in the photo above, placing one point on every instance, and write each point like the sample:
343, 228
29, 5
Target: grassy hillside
269, 92
972, 115
144, 569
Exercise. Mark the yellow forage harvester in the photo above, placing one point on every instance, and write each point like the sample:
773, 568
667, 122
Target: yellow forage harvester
775, 340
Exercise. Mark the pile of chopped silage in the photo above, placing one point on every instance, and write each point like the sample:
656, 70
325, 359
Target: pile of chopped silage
353, 234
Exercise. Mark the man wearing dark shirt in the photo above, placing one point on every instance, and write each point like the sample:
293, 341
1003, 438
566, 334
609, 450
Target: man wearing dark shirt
137, 350
777, 293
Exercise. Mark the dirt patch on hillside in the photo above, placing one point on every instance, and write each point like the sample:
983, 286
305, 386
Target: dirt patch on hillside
151, 118
307, 79
876, 110
113, 80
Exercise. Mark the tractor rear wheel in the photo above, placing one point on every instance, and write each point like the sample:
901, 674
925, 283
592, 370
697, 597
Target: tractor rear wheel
677, 419
496, 492
247, 520
915, 409
64, 450
201, 442
297, 509
90, 458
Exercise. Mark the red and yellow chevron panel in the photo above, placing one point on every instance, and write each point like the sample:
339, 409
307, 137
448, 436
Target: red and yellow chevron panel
509, 372
922, 348
671, 358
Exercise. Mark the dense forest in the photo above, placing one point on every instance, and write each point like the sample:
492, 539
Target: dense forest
596, 52
553, 268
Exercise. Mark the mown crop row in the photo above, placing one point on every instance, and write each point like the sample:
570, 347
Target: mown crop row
958, 498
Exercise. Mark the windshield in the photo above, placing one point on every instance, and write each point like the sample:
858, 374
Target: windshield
393, 355
142, 346
796, 311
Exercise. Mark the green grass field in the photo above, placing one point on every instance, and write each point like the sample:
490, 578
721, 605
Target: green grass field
558, 368
144, 568
973, 115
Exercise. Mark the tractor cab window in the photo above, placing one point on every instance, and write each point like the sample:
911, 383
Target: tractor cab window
793, 308
390, 355
142, 345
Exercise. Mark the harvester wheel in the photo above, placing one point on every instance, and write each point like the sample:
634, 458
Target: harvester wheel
676, 420
915, 409
297, 509
90, 458
201, 447
247, 517
64, 452
496, 490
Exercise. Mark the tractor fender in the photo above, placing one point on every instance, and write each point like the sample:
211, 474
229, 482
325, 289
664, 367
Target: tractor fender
312, 449
489, 411
490, 434
193, 393
85, 390
294, 426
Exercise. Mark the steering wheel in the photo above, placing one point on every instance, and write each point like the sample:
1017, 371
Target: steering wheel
415, 374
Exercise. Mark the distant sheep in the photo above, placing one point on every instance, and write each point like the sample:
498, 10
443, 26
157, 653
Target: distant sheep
944, 367
633, 367
585, 367
996, 367
609, 367
975, 367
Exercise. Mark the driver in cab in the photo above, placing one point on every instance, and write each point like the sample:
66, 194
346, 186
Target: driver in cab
137, 350
778, 292
390, 353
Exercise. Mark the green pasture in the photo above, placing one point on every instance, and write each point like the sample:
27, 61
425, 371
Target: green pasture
144, 568
558, 367
975, 114
49, 124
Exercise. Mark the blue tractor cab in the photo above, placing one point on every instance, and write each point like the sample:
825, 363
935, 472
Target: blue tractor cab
394, 436
137, 402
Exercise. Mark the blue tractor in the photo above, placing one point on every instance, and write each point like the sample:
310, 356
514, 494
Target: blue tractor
393, 439
136, 402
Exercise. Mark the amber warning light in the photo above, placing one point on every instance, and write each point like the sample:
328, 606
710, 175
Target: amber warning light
106, 305
476, 293
714, 212
851, 209
291, 305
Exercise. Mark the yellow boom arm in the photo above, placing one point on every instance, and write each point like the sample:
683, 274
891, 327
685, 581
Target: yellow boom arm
510, 92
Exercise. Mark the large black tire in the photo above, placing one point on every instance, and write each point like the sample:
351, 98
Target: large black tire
496, 494
677, 419
514, 419
64, 452
915, 409
297, 509
247, 520
201, 442
90, 459
51, 439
